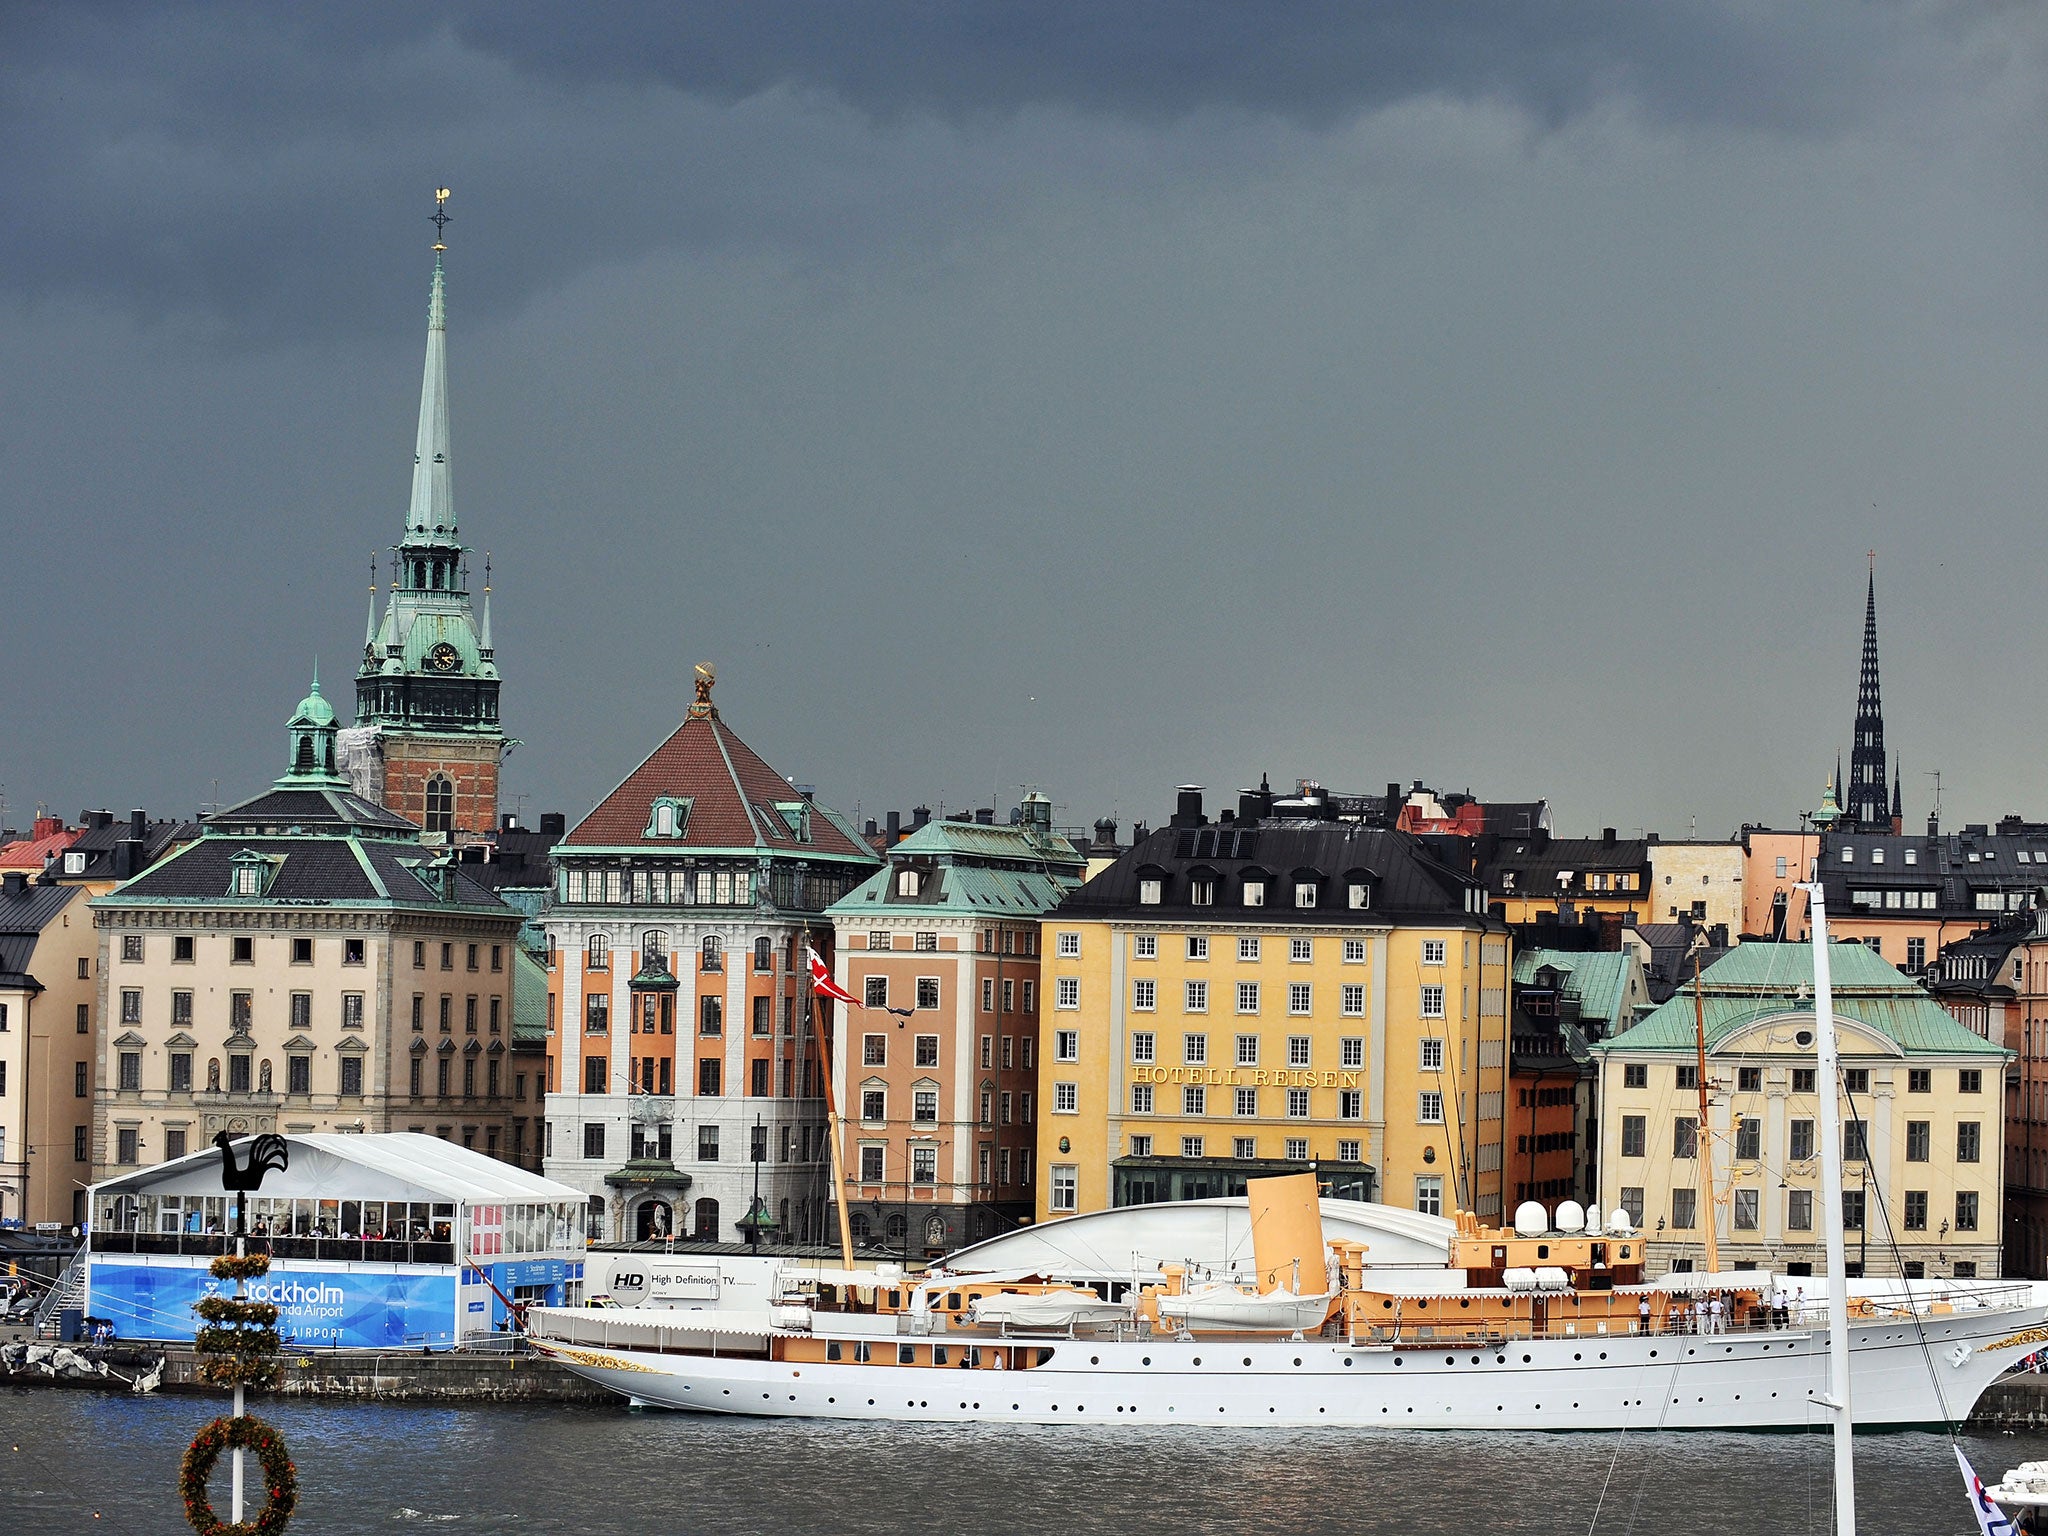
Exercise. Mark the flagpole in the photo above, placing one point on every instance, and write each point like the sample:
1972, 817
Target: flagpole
827, 1052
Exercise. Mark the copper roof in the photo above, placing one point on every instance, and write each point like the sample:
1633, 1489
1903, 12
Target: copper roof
736, 801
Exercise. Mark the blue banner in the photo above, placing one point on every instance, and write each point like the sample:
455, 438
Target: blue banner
318, 1305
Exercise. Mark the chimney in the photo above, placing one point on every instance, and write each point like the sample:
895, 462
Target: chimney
985, 816
920, 815
127, 858
138, 823
1187, 807
1933, 825
895, 825
93, 821
1607, 836
807, 792
507, 822
50, 826
14, 882
1105, 832
553, 824
869, 829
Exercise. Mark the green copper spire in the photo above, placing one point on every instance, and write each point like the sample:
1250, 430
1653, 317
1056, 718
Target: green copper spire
432, 515
312, 731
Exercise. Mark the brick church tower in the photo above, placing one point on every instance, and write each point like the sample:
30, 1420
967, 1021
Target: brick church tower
427, 742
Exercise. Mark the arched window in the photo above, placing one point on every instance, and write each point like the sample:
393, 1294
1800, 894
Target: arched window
863, 1230
707, 1218
440, 804
600, 951
764, 955
714, 952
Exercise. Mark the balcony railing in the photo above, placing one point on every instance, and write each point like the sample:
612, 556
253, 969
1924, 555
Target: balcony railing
207, 1245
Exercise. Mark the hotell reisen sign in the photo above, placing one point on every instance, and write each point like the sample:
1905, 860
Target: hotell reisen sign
1246, 1077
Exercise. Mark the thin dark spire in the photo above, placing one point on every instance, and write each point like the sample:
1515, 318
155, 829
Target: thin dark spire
1865, 801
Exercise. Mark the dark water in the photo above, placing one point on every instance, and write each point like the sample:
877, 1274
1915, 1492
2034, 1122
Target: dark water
528, 1470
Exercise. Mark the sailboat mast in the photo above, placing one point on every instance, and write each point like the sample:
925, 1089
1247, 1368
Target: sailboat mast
1705, 1140
1831, 1202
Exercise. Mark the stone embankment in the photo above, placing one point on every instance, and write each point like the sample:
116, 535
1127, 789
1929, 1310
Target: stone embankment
363, 1375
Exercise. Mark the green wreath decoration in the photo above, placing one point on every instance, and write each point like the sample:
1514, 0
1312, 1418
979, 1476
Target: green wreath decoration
280, 1477
235, 1266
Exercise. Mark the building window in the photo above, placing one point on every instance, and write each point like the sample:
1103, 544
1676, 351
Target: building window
298, 1074
238, 1074
131, 1071
1247, 1050
1916, 954
710, 1077
1198, 946
1432, 1006
1066, 1044
1803, 1079
127, 1145
1065, 1187
1352, 1000
1067, 992
1856, 1080
1429, 1194
1197, 997
1145, 946
1246, 1101
1068, 946
1299, 1051
1433, 951
1430, 1109
1304, 893
181, 1072
707, 1143
1749, 1139
874, 991
1746, 1206
1688, 1077
1919, 1140
1194, 1101
1191, 1146
1749, 1079
1143, 1046
1966, 1210
440, 804
241, 950
1635, 1074
1351, 1051
1350, 1104
1141, 1098
1248, 949
1916, 1210
924, 1106
710, 1017
1255, 893
131, 948
1194, 1050
1148, 893
1066, 1099
1852, 1210
874, 1105
1299, 994
1634, 1134
1247, 997
352, 1075
1685, 1137
1969, 1141
1799, 1210
1684, 1209
1297, 1103
1144, 993
927, 992
1432, 1055
1970, 1080
870, 1163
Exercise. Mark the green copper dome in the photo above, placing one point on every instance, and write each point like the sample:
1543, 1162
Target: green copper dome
313, 709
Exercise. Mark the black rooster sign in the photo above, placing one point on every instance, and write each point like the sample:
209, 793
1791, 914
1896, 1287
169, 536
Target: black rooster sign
266, 1152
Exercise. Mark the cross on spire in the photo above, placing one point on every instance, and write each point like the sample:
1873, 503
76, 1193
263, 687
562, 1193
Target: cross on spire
442, 217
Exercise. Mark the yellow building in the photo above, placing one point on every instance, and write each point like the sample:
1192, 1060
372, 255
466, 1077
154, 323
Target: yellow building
1540, 877
1236, 1000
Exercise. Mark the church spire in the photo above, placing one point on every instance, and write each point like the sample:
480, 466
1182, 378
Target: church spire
432, 515
1867, 808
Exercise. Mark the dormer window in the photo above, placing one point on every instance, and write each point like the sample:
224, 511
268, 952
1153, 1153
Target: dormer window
669, 816
1202, 887
251, 874
1360, 895
1254, 891
908, 882
1151, 889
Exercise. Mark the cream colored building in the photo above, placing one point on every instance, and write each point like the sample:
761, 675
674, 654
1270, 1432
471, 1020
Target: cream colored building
1921, 1099
1700, 881
47, 1022
306, 965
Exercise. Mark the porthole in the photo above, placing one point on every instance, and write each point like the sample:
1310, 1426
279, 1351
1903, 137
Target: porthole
1398, 1362
1247, 1359
1347, 1362
1095, 1359
1146, 1361
1525, 1359
1198, 1359
1577, 1356
1297, 1360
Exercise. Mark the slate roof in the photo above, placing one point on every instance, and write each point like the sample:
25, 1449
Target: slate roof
1757, 980
1405, 879
967, 867
309, 808
734, 798
23, 917
313, 869
98, 843
1538, 861
1955, 865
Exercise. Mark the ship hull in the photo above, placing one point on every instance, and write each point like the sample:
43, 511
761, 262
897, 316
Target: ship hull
1903, 1373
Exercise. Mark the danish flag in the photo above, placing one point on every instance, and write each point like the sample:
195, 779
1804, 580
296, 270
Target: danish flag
822, 982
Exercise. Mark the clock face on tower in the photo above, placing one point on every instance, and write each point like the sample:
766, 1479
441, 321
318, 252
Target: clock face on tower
443, 658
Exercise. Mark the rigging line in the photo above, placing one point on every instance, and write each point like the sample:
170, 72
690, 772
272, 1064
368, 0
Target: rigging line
1663, 1413
1612, 1462
1949, 1423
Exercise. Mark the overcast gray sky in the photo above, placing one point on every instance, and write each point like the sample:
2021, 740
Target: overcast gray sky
1093, 396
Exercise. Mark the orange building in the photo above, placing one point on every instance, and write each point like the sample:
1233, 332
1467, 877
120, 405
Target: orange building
937, 1075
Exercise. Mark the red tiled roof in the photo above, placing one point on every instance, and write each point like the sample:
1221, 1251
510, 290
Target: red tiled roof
32, 853
732, 794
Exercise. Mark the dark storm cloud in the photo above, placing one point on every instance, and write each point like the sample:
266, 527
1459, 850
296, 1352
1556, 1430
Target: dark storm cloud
159, 152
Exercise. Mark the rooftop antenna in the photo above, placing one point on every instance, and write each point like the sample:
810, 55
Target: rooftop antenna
1935, 774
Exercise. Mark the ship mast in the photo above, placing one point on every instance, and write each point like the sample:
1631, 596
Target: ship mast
827, 1052
1705, 1139
1837, 1399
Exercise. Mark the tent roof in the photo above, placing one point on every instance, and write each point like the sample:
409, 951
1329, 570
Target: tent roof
381, 1166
